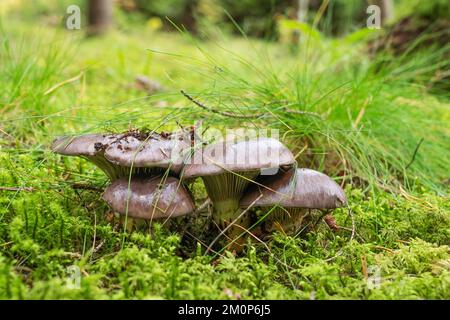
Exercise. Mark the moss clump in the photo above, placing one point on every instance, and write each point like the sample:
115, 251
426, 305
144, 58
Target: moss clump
44, 234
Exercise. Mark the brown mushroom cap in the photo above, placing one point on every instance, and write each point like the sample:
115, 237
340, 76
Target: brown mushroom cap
153, 151
149, 198
86, 145
242, 156
91, 147
297, 188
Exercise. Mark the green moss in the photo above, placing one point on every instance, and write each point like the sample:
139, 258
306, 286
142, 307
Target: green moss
46, 232
49, 227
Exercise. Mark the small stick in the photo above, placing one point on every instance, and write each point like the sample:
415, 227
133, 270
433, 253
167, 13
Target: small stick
353, 224
56, 86
241, 116
202, 243
222, 113
364, 267
203, 206
79, 186
99, 246
28, 189
384, 248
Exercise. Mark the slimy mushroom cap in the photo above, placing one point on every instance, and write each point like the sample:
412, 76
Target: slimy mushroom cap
241, 156
297, 188
149, 198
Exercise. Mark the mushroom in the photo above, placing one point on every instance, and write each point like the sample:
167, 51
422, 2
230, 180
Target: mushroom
227, 168
89, 147
148, 155
149, 198
289, 197
117, 155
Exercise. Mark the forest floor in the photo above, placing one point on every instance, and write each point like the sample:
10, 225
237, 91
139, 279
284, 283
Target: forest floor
381, 134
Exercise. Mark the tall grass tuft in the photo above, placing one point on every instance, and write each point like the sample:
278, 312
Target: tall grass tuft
365, 118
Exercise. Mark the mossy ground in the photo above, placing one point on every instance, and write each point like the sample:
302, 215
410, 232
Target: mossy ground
49, 224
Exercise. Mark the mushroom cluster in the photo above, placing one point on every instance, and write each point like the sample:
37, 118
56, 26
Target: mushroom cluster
142, 168
149, 171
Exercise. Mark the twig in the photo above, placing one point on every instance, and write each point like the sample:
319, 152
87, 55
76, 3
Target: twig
255, 237
364, 267
23, 268
351, 230
73, 254
80, 186
202, 243
222, 113
241, 116
203, 206
414, 154
99, 246
384, 248
6, 134
27, 189
266, 246
353, 223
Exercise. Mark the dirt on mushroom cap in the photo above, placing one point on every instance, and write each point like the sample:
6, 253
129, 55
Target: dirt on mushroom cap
152, 151
85, 145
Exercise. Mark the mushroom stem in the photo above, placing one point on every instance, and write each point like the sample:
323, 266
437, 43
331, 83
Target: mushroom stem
225, 212
291, 221
225, 191
239, 219
128, 223
228, 167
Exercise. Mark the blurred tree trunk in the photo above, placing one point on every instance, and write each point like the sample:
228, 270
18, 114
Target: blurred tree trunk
188, 19
99, 16
299, 13
302, 10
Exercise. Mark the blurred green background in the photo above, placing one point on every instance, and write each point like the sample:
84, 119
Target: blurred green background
259, 18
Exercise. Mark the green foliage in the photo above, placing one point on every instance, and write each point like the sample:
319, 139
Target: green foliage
173, 9
47, 231
366, 114
48, 226
423, 9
